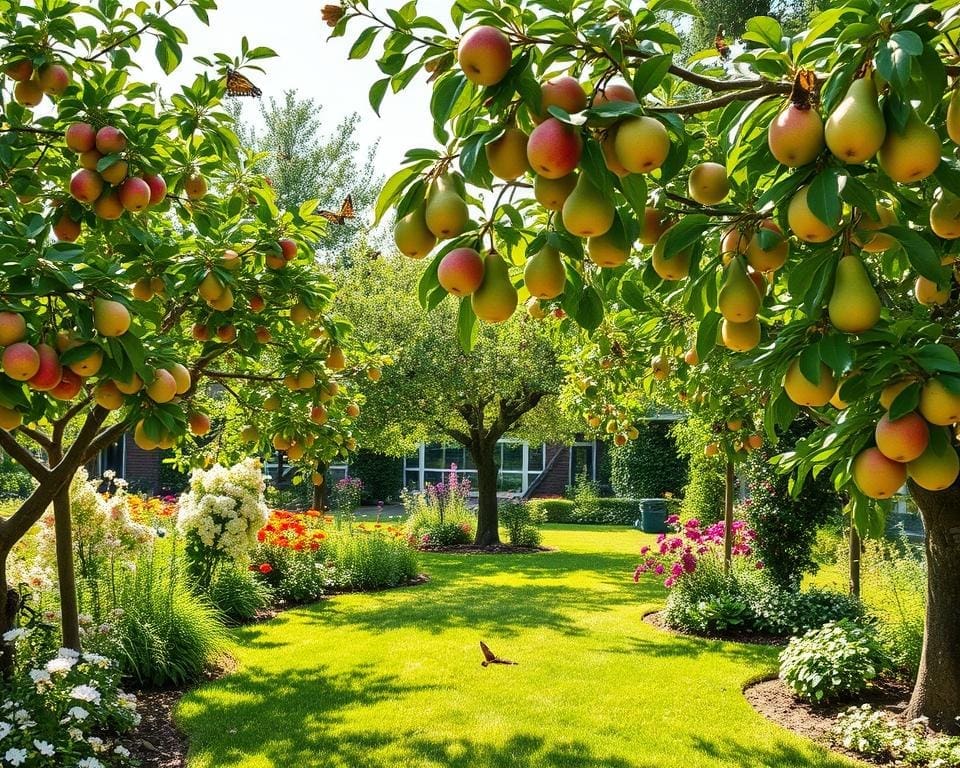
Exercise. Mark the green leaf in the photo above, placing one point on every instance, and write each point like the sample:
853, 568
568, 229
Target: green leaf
937, 358
685, 233
764, 30
392, 189
634, 188
168, 53
377, 92
707, 334
445, 95
650, 73
467, 330
810, 363
906, 401
823, 197
361, 47
922, 256
429, 281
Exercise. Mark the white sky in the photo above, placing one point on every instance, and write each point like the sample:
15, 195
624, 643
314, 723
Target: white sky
312, 65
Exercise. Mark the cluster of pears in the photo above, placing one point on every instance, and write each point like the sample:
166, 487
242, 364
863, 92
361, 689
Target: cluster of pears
742, 438
615, 423
918, 445
32, 84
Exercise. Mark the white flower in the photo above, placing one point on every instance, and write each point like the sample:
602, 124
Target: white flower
97, 660
5, 729
78, 713
86, 693
12, 635
60, 665
121, 750
68, 653
39, 676
16, 756
96, 744
44, 748
74, 733
89, 762
22, 718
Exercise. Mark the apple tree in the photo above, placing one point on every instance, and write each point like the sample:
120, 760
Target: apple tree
798, 203
141, 259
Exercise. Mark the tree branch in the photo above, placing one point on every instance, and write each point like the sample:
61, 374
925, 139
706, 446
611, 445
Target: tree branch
763, 91
61, 424
31, 129
106, 438
243, 376
135, 33
38, 437
23, 457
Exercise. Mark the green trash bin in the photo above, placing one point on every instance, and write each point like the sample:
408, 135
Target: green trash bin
653, 516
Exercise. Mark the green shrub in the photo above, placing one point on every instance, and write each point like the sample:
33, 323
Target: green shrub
238, 594
781, 611
836, 660
440, 513
295, 578
366, 559
881, 736
15, 481
522, 522
600, 511
448, 533
650, 466
703, 494
555, 510
706, 601
382, 476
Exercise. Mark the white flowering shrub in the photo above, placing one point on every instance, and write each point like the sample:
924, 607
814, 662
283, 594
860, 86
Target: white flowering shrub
220, 516
882, 737
66, 711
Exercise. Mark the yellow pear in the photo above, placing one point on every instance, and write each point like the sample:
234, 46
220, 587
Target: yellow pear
641, 144
939, 405
803, 223
507, 155
738, 300
740, 337
945, 216
889, 393
553, 193
855, 130
937, 468
446, 214
928, 293
802, 391
854, 305
912, 155
496, 298
866, 235
676, 267
953, 116
544, 274
586, 212
609, 249
775, 255
412, 236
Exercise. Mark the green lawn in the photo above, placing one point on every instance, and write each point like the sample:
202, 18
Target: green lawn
393, 679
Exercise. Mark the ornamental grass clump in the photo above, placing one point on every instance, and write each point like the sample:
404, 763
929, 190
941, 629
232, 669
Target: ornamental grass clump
440, 516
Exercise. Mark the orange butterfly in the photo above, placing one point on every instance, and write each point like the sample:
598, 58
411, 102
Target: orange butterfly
720, 44
803, 93
489, 657
346, 212
240, 85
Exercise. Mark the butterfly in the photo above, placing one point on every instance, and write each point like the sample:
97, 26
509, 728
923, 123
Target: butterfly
721, 44
346, 212
240, 85
489, 657
803, 93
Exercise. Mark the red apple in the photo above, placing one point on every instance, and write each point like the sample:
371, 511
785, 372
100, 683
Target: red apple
19, 70
49, 372
288, 249
158, 188
461, 271
110, 140
85, 185
134, 194
564, 92
54, 79
484, 55
66, 229
81, 137
554, 149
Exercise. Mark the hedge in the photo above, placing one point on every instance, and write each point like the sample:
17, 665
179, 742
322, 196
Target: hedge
604, 512
650, 466
382, 476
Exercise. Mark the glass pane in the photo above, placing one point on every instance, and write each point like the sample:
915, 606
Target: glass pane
413, 480
510, 481
433, 477
413, 460
581, 462
433, 457
535, 458
468, 461
453, 455
512, 456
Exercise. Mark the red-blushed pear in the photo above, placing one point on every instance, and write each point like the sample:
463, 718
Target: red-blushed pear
158, 188
19, 70
938, 404
774, 256
318, 414
609, 249
257, 303
554, 149
28, 93
129, 386
352, 410
614, 90
89, 365
200, 332
759, 281
163, 388
195, 186
460, 272
142, 439
802, 391
945, 216
110, 318
608, 146
507, 155
690, 357
110, 140
564, 92
89, 160
66, 229
877, 476
274, 261
80, 137
411, 235
108, 396
804, 223
587, 212
642, 144
446, 213
181, 376
199, 423
740, 337
929, 294
49, 372
68, 387
655, 223
288, 248
855, 130
890, 392
227, 333
484, 55
134, 194
86, 186
211, 287
335, 359
115, 172
496, 298
9, 418
263, 334
674, 267
902, 439
553, 193
708, 183
660, 367
108, 206
544, 273
938, 467
53, 79
912, 155
795, 136
224, 301
20, 361
13, 328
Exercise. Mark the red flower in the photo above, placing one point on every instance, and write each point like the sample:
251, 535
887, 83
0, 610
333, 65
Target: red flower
265, 568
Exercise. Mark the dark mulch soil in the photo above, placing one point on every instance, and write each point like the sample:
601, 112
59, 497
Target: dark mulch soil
493, 549
733, 635
773, 700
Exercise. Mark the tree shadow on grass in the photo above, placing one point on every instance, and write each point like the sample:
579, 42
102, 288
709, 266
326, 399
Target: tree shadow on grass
677, 646
779, 755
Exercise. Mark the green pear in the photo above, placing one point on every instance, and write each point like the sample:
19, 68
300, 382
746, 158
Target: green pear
544, 274
496, 298
953, 116
912, 155
856, 130
610, 249
412, 236
587, 213
446, 213
739, 299
854, 305
553, 193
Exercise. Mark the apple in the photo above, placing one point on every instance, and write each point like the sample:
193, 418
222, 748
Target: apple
53, 79
110, 140
81, 137
134, 194
158, 188
484, 55
86, 185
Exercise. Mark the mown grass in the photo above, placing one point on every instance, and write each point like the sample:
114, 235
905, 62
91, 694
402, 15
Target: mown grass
393, 678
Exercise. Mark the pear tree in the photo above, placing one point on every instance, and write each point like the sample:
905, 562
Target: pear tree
796, 202
143, 259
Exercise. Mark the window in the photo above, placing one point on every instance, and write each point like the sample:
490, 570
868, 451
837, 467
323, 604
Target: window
582, 461
519, 465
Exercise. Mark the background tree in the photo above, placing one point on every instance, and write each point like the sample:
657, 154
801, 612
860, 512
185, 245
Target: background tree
434, 391
742, 162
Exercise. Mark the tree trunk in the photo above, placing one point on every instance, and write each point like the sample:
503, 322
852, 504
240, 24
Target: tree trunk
488, 526
8, 614
320, 491
728, 519
855, 554
936, 694
66, 574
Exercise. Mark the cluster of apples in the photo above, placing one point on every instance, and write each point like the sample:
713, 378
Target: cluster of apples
39, 366
107, 187
744, 439
49, 79
917, 445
